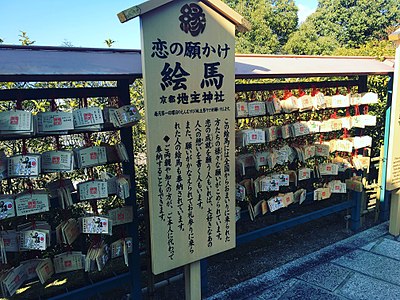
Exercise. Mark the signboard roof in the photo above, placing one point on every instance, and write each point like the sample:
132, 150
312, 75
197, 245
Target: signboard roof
241, 23
24, 63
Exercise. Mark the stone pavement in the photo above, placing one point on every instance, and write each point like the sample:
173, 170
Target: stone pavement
364, 266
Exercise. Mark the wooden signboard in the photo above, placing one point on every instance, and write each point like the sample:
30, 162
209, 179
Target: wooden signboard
188, 68
393, 163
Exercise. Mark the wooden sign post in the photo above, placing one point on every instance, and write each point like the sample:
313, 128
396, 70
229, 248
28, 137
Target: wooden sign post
393, 163
188, 57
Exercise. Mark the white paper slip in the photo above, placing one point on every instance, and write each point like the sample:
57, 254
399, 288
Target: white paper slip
275, 203
55, 121
54, 186
318, 101
256, 108
70, 231
7, 207
338, 101
96, 225
254, 136
91, 156
30, 268
328, 169
3, 165
124, 116
34, 202
117, 248
57, 161
299, 196
87, 116
45, 270
283, 179
10, 240
16, 120
336, 186
242, 109
322, 194
304, 174
287, 199
369, 98
121, 215
24, 165
92, 189
14, 279
67, 262
322, 150
33, 239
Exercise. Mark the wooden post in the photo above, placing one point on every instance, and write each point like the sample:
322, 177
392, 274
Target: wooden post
394, 223
193, 281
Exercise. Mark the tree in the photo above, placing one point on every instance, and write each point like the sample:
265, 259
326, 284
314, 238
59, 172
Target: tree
109, 42
66, 43
343, 23
378, 49
1, 41
272, 22
24, 39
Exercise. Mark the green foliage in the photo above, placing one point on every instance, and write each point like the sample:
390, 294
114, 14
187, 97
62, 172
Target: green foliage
24, 39
272, 22
109, 42
344, 23
377, 49
1, 41
309, 41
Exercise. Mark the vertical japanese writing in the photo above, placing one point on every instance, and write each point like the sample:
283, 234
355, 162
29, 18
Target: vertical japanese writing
227, 171
179, 180
199, 161
160, 195
209, 194
170, 237
168, 176
189, 183
218, 176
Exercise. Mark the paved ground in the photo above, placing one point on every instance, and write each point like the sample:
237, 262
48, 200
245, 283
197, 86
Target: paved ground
364, 266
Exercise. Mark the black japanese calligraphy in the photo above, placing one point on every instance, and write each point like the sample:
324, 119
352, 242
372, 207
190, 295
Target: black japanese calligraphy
193, 19
189, 183
192, 50
162, 49
179, 179
159, 49
199, 162
212, 77
218, 177
175, 77
159, 162
227, 170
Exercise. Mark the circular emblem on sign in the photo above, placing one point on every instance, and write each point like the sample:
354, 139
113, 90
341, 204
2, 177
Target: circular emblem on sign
193, 19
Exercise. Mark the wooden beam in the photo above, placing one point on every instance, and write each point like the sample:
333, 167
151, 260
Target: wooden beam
294, 85
241, 23
137, 10
34, 94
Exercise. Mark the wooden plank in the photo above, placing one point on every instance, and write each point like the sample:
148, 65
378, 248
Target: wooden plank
137, 10
56, 93
394, 223
294, 85
193, 281
241, 23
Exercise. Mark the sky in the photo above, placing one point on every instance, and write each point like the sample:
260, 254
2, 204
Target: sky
81, 23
